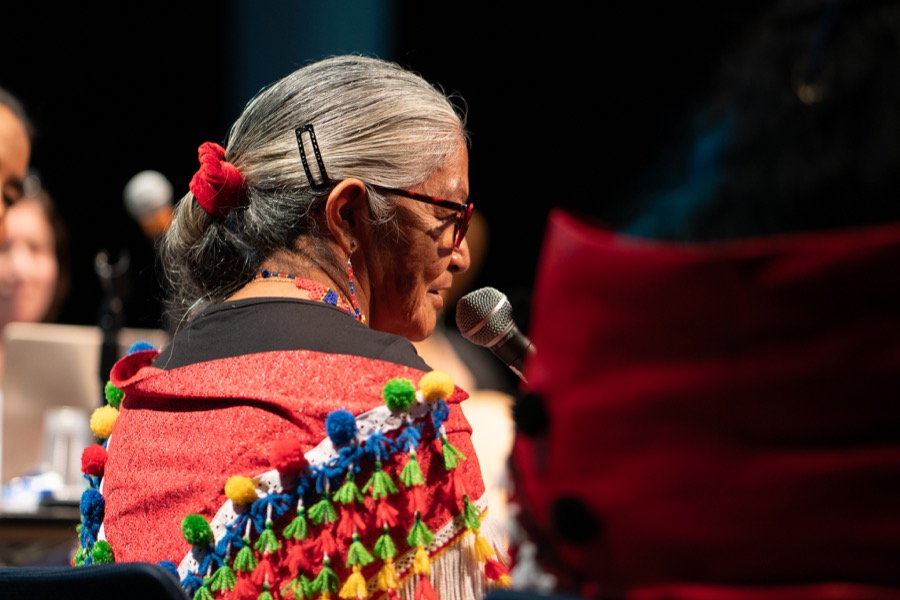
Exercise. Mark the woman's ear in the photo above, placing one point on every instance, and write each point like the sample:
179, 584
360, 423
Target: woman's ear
344, 212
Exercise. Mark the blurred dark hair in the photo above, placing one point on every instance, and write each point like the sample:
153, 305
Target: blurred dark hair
798, 129
12, 102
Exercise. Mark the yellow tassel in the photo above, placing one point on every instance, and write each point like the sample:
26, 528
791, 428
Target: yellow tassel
421, 563
355, 586
483, 550
505, 581
387, 576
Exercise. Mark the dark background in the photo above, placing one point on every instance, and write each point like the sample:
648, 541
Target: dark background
566, 100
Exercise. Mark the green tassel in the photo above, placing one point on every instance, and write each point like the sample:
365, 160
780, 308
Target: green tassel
223, 579
380, 483
266, 594
297, 588
323, 512
327, 580
385, 547
472, 514
349, 492
268, 541
419, 534
357, 553
245, 560
203, 594
296, 529
412, 473
452, 456
78, 560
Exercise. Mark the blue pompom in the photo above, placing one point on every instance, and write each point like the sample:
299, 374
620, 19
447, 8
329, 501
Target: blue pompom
141, 345
169, 566
92, 506
340, 427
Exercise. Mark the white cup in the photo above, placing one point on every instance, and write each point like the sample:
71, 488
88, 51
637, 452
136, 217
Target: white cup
67, 432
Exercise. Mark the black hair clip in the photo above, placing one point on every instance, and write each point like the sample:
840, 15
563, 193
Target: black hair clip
322, 185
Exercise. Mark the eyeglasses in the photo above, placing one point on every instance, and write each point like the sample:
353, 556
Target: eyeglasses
462, 220
464, 210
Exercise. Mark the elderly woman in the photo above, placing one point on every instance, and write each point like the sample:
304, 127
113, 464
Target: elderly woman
290, 441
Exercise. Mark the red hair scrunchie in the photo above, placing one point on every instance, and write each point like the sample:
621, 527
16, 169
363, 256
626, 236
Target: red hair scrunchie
218, 186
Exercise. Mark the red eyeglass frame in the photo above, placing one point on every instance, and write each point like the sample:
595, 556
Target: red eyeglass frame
464, 209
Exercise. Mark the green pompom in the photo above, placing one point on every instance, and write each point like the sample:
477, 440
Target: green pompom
102, 553
196, 530
113, 394
399, 394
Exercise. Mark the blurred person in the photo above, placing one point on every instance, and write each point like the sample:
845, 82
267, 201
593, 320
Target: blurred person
16, 131
34, 259
289, 441
714, 413
489, 383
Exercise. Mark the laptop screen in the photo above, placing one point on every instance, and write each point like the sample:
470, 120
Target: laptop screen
51, 385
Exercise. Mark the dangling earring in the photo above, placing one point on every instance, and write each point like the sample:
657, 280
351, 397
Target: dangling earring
357, 314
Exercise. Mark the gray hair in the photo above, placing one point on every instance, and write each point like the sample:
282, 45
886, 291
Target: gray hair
373, 120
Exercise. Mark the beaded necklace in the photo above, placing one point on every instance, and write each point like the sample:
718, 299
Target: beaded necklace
317, 291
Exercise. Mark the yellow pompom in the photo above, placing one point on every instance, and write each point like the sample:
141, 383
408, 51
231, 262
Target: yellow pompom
102, 421
436, 385
240, 490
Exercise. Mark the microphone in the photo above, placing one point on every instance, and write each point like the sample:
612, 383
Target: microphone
148, 199
484, 317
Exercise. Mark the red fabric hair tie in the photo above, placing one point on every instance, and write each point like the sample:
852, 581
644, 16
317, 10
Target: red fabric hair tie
218, 186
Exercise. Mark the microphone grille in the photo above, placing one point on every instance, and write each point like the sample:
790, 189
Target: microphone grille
147, 192
483, 315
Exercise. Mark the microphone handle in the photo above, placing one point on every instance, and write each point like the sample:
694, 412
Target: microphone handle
512, 349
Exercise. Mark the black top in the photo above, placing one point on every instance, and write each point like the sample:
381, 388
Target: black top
266, 324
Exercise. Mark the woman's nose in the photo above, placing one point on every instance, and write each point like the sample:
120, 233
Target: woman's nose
460, 258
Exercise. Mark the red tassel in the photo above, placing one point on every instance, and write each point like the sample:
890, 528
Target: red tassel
297, 560
385, 514
245, 589
350, 522
424, 589
494, 570
326, 543
417, 500
264, 572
